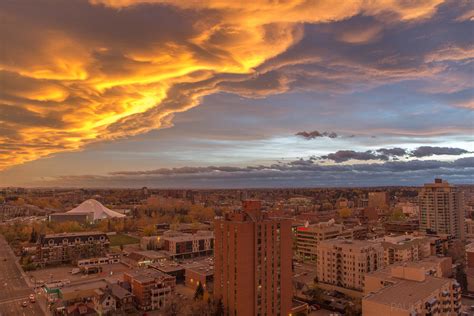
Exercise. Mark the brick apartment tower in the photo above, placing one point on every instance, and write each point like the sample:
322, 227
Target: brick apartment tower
252, 262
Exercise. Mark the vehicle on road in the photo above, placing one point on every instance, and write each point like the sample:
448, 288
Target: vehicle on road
24, 304
32, 298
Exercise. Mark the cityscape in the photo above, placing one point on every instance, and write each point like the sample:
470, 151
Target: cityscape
236, 158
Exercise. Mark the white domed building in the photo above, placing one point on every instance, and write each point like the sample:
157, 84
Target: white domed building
97, 209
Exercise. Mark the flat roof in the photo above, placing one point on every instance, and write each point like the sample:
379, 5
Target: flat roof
406, 293
74, 234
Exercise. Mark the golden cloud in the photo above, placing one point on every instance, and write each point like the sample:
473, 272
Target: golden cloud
77, 73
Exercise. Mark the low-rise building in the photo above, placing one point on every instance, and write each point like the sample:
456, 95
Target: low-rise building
401, 226
84, 218
109, 258
404, 248
151, 288
309, 236
344, 263
440, 267
408, 291
203, 274
70, 247
185, 245
469, 225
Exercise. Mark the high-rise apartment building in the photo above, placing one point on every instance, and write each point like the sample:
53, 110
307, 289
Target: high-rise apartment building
345, 262
252, 262
441, 209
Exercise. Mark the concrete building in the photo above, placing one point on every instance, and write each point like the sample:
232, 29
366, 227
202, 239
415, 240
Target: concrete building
470, 267
407, 291
151, 288
70, 247
403, 248
441, 209
184, 245
308, 237
202, 274
252, 262
84, 218
401, 226
469, 226
344, 263
440, 267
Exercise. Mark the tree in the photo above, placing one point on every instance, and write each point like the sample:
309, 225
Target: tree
345, 212
173, 307
314, 293
397, 215
149, 230
198, 295
33, 235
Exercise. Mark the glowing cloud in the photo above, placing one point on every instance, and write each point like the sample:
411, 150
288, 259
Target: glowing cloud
73, 73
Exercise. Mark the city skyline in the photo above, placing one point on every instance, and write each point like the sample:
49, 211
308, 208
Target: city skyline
168, 94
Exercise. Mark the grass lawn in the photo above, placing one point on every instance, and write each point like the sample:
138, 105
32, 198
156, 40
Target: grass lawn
117, 240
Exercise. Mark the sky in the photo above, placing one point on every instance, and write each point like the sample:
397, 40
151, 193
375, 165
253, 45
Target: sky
232, 94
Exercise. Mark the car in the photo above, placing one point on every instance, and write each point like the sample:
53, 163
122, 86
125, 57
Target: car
32, 298
24, 304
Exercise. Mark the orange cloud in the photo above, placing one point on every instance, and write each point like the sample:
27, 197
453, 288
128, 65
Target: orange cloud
78, 73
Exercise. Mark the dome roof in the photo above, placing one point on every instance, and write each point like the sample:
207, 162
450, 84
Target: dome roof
93, 206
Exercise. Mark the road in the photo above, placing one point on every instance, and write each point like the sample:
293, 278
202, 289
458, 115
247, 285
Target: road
13, 287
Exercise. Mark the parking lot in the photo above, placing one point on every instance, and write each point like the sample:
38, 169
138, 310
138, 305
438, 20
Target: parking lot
41, 276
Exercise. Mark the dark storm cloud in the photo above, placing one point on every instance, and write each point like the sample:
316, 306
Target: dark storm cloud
316, 134
297, 173
385, 154
345, 155
426, 151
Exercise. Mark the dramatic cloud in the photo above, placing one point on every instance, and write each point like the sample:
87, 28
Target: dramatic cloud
426, 151
316, 134
345, 155
385, 154
76, 72
396, 152
300, 172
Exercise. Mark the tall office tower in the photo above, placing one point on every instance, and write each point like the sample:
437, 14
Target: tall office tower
252, 262
441, 209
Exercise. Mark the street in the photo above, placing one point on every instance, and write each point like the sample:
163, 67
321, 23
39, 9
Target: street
14, 289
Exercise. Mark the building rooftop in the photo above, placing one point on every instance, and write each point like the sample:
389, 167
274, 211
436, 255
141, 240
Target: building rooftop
147, 275
406, 292
349, 243
91, 233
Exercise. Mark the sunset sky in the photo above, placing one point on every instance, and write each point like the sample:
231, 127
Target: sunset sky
204, 94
